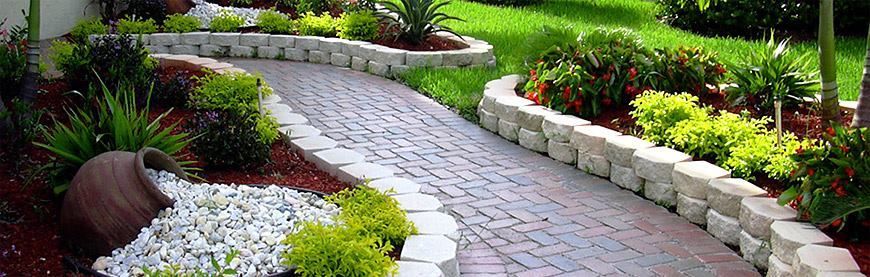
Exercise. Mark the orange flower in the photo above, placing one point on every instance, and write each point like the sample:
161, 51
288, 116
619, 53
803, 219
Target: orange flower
831, 132
836, 223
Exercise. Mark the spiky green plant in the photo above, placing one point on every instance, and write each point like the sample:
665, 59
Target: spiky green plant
416, 19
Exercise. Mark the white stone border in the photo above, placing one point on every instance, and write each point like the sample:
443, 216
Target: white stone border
432, 252
359, 55
733, 210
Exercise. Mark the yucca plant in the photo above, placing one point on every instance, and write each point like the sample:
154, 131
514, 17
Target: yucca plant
774, 73
416, 19
116, 124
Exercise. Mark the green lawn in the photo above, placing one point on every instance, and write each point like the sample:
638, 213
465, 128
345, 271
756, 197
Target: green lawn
506, 29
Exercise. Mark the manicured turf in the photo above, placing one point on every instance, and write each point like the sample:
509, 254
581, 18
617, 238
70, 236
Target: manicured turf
506, 28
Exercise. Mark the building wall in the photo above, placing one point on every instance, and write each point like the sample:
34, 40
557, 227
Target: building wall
58, 16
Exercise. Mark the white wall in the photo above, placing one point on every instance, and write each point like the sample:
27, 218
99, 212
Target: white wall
58, 16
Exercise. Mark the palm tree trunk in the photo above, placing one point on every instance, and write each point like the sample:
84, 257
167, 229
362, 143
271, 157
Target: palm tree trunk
862, 113
31, 77
827, 59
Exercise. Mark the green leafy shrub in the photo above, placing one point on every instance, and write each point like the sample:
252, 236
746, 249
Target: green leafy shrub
608, 68
226, 22
174, 91
760, 154
13, 58
416, 19
714, 137
775, 73
116, 61
315, 6
133, 25
312, 25
750, 18
337, 250
274, 22
147, 9
832, 180
228, 140
117, 124
378, 214
86, 27
235, 93
178, 23
685, 69
656, 112
361, 25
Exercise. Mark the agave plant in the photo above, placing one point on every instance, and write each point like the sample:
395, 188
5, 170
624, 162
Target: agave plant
416, 19
115, 125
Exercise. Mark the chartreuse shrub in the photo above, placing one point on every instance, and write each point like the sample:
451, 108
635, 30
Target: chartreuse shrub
116, 124
226, 22
274, 22
87, 27
832, 179
610, 67
362, 25
657, 112
773, 73
136, 26
378, 214
312, 25
337, 250
178, 23
736, 142
235, 93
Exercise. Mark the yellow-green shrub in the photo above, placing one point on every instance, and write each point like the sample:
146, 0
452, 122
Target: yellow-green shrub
337, 250
378, 214
657, 111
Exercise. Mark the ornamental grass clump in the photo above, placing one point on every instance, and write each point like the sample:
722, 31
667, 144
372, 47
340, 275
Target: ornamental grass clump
832, 180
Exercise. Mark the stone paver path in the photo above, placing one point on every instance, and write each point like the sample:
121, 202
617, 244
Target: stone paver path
520, 213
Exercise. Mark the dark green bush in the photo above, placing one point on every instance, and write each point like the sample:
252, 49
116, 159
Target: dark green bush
235, 93
315, 6
750, 18
117, 61
13, 58
147, 9
358, 26
228, 140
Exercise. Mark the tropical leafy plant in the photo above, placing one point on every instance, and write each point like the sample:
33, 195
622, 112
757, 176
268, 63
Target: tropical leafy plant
416, 20
274, 22
775, 73
117, 124
685, 69
378, 214
138, 26
312, 25
832, 181
337, 250
178, 23
361, 25
226, 22
13, 57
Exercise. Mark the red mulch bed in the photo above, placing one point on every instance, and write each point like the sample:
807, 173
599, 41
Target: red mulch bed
432, 43
30, 240
804, 122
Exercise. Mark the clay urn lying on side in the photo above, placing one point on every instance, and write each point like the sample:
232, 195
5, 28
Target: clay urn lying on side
111, 198
178, 6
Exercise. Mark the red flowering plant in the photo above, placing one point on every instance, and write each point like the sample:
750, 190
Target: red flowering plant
13, 47
600, 71
832, 181
686, 69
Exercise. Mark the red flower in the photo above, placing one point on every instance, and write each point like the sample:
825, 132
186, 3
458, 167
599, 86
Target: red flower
840, 191
836, 223
792, 173
566, 93
844, 148
835, 184
800, 150
720, 69
606, 101
632, 72
606, 77
811, 172
799, 198
850, 172
831, 132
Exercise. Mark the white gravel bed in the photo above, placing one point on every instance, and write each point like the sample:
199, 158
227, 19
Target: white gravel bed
206, 11
210, 220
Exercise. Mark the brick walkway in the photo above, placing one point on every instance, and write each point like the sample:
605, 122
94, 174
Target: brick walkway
521, 213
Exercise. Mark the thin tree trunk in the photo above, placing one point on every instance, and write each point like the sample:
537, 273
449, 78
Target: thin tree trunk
862, 113
827, 59
31, 77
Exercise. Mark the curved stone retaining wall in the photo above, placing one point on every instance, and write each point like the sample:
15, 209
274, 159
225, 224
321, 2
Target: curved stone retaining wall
733, 210
358, 55
431, 252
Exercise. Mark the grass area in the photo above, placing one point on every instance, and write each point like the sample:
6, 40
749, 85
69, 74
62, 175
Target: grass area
507, 28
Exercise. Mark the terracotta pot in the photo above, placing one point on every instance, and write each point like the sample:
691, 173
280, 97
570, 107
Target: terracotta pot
111, 198
178, 6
